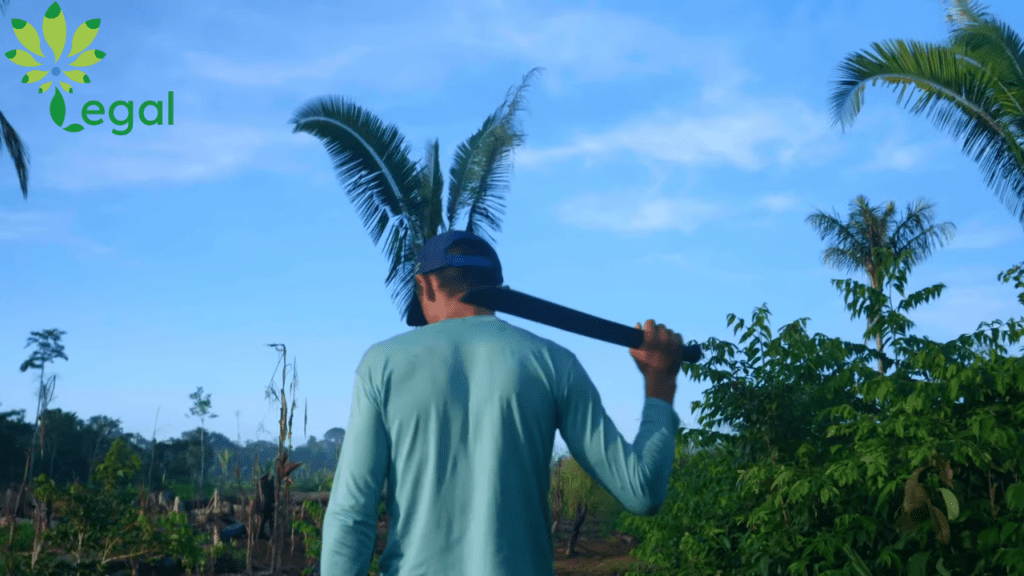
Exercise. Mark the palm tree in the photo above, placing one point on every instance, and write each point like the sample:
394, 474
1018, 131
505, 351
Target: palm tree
9, 137
385, 183
852, 243
972, 86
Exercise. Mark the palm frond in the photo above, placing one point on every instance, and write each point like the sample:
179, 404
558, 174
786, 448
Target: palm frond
845, 250
907, 236
920, 246
843, 259
465, 169
966, 13
431, 189
369, 156
959, 98
487, 207
410, 233
17, 150
483, 162
915, 237
987, 42
403, 245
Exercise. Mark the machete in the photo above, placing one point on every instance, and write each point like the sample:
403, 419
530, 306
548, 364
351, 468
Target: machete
509, 301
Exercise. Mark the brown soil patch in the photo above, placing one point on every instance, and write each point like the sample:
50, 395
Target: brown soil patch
595, 556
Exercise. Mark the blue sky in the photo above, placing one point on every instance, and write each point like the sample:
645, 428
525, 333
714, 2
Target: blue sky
673, 152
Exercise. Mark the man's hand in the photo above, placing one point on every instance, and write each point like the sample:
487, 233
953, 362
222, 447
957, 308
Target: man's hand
659, 359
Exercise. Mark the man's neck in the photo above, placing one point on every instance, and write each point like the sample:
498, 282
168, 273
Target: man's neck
458, 309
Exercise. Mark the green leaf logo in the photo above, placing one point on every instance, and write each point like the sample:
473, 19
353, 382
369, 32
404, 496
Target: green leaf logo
55, 33
57, 108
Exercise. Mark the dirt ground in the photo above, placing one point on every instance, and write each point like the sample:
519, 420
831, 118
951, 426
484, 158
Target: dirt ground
595, 556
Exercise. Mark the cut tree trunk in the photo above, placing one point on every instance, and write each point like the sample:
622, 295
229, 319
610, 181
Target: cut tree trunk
577, 525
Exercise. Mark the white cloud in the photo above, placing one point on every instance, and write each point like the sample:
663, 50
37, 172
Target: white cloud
185, 152
896, 154
592, 45
777, 202
772, 133
575, 45
625, 213
42, 227
30, 224
265, 73
976, 236
688, 263
602, 45
960, 309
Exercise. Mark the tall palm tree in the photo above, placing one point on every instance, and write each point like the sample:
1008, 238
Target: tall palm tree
9, 137
972, 86
852, 243
388, 187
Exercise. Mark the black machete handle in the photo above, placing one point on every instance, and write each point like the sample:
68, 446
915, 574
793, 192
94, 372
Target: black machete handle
504, 299
691, 353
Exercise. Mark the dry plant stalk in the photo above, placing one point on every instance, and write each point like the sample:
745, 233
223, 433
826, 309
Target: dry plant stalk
39, 517
250, 535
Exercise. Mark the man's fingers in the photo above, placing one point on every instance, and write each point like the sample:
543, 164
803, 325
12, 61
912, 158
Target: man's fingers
659, 335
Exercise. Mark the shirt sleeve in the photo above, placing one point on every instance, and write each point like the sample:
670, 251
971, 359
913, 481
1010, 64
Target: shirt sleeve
350, 521
636, 474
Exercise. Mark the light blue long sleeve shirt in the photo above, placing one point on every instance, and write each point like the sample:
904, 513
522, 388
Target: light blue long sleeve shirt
460, 417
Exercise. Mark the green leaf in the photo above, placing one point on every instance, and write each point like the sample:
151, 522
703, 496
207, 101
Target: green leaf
918, 564
952, 504
988, 539
857, 564
74, 128
1015, 496
1008, 529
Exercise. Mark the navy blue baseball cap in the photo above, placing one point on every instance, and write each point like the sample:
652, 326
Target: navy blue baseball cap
433, 255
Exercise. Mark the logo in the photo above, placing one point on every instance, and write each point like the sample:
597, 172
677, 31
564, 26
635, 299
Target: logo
55, 34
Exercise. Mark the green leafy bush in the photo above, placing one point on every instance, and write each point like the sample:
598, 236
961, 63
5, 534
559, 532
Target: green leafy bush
312, 533
101, 522
831, 467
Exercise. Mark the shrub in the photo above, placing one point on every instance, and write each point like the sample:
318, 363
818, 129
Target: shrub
102, 522
830, 467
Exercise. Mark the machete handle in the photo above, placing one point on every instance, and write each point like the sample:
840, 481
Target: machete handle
509, 301
691, 353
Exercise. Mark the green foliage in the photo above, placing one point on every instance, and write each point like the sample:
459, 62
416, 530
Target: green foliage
16, 434
101, 521
48, 348
312, 533
73, 446
578, 487
401, 199
833, 468
970, 86
700, 527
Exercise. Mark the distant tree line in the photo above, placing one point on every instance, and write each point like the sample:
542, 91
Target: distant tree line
74, 447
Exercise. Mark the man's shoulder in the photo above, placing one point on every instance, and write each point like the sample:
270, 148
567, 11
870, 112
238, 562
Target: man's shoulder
427, 336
